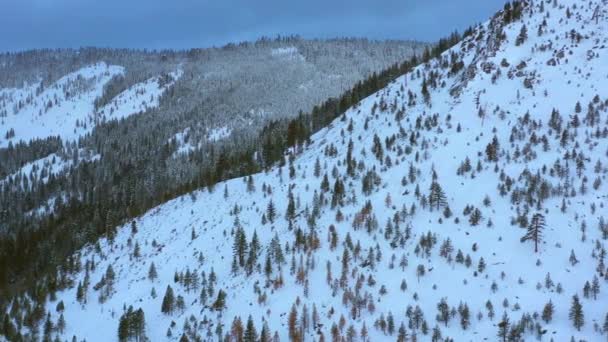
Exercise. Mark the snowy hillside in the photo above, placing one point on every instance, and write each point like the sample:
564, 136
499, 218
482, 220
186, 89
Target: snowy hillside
66, 108
139, 97
403, 219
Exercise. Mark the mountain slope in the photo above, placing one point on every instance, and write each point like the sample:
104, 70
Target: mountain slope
421, 192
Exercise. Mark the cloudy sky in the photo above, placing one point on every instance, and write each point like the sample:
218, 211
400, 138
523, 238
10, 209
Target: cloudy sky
26, 24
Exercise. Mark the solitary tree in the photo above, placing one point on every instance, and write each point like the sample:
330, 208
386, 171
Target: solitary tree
535, 230
152, 274
437, 198
576, 313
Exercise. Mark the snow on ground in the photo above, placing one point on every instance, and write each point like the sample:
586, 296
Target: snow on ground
41, 169
64, 108
388, 242
184, 143
289, 52
138, 98
218, 133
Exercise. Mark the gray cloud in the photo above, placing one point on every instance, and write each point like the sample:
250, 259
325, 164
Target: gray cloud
26, 24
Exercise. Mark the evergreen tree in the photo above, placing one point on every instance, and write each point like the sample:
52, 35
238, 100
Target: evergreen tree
239, 247
250, 332
475, 217
522, 36
152, 274
61, 324
492, 150
503, 327
481, 266
271, 212
220, 301
425, 92
547, 314
595, 287
291, 207
444, 312
535, 230
168, 304
465, 316
437, 199
265, 333
576, 313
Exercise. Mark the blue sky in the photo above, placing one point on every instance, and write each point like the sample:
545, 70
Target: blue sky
26, 24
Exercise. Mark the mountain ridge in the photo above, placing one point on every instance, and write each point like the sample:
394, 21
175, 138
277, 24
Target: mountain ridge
411, 214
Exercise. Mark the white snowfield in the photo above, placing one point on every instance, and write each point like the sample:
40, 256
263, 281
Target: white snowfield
66, 107
57, 109
138, 98
385, 267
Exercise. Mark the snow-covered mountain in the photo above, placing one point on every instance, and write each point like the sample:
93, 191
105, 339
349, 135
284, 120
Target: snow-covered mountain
414, 216
66, 108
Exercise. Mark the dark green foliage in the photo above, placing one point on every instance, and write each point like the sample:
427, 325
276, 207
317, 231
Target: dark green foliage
271, 212
576, 313
220, 301
168, 304
522, 36
437, 199
250, 332
475, 217
132, 325
547, 314
535, 230
503, 328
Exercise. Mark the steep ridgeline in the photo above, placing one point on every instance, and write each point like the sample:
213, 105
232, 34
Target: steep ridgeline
465, 201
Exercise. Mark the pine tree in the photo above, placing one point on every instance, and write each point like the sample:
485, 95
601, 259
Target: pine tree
437, 199
465, 316
492, 150
136, 250
61, 324
152, 274
475, 217
138, 325
595, 287
168, 304
271, 212
425, 92
265, 333
547, 314
503, 327
239, 247
390, 321
481, 266
250, 333
576, 313
444, 312
523, 35
80, 293
220, 301
291, 207
317, 171
535, 230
